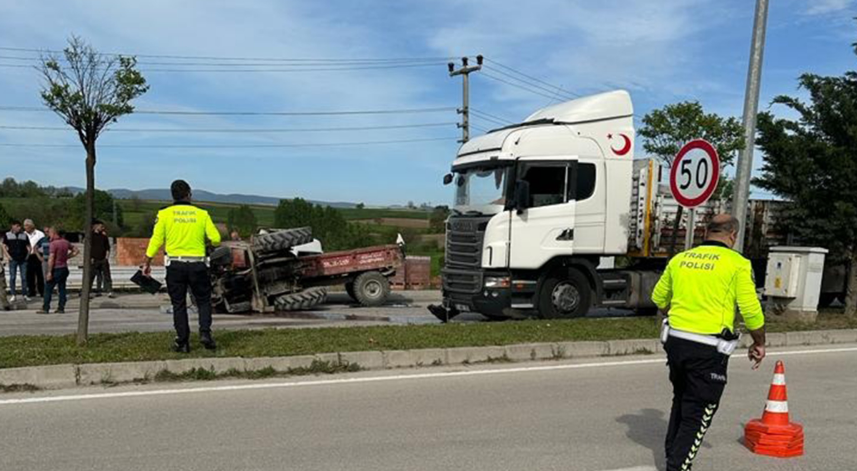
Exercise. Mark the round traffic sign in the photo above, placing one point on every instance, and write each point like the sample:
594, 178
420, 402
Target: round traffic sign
694, 174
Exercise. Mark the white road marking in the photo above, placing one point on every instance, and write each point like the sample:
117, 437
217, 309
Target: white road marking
370, 379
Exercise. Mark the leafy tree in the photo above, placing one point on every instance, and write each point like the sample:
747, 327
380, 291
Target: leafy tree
89, 91
103, 210
136, 203
361, 206
5, 218
811, 160
243, 220
328, 224
667, 130
437, 220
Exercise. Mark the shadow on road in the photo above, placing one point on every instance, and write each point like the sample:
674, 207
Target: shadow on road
648, 429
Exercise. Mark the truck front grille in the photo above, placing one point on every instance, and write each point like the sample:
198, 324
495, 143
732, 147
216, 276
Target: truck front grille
464, 237
462, 281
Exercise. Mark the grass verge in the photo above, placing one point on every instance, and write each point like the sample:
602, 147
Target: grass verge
21, 351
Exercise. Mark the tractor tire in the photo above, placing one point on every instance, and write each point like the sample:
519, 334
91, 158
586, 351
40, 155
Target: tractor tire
565, 295
349, 288
371, 289
282, 240
301, 301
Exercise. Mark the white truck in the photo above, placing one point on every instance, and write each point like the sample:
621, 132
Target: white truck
540, 205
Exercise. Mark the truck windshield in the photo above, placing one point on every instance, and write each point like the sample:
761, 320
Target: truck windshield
481, 190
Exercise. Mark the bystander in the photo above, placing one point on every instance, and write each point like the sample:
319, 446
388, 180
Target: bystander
35, 274
16, 245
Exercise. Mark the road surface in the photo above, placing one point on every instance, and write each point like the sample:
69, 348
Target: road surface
146, 313
589, 415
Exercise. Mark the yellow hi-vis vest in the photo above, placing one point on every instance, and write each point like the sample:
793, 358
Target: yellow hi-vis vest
702, 286
183, 228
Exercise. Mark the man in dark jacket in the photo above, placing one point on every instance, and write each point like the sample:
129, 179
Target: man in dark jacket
101, 259
16, 245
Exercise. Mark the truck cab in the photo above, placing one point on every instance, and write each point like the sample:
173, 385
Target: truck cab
536, 207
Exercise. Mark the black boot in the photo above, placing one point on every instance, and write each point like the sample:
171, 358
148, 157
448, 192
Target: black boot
181, 347
207, 341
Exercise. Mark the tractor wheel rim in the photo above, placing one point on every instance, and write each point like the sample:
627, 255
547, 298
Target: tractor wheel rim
565, 297
373, 289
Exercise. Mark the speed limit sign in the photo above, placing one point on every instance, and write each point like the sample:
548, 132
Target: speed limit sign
695, 173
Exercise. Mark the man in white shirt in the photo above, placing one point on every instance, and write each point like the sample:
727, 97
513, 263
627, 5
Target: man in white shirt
35, 277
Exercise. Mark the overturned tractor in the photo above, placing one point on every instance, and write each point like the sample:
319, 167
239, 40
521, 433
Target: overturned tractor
285, 270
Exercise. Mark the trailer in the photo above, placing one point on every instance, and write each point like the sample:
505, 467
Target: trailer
284, 270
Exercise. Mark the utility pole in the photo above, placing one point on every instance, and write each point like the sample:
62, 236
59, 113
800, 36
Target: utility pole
465, 71
743, 174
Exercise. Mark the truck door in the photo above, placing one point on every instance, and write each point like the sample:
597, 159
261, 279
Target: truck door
545, 228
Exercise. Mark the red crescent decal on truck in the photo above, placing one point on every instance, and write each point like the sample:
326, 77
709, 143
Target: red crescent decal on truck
626, 147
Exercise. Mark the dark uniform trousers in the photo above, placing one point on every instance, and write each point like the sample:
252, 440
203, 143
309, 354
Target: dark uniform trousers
180, 277
698, 376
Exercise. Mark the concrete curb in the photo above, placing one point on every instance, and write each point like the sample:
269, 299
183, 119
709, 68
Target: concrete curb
69, 376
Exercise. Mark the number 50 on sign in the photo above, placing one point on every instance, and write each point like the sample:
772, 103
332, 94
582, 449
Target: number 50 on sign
694, 174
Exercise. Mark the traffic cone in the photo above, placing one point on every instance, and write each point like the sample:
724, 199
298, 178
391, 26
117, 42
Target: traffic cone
773, 434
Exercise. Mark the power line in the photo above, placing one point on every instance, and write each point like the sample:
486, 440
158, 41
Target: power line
492, 121
232, 146
332, 68
226, 58
533, 78
245, 130
308, 62
492, 116
553, 91
259, 113
480, 128
513, 84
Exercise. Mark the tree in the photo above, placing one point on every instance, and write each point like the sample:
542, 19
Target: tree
103, 207
328, 224
5, 219
437, 220
361, 206
89, 91
667, 130
811, 160
136, 203
242, 219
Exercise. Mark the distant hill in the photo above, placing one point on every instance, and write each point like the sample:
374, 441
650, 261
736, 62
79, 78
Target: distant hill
208, 197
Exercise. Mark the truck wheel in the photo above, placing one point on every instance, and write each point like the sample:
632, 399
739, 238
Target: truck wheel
371, 289
282, 240
565, 295
301, 301
826, 299
349, 288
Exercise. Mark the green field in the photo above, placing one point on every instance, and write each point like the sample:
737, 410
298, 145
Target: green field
134, 211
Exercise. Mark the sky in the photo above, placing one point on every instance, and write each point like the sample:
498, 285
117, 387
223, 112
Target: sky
661, 52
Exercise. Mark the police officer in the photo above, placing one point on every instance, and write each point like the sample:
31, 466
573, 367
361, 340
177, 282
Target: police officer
699, 291
184, 228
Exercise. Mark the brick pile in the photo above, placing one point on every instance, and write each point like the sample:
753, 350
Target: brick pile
415, 274
131, 251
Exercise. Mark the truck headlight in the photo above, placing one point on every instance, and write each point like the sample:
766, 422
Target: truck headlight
497, 282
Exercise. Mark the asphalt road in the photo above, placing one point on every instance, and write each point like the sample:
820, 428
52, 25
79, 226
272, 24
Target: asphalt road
604, 415
146, 313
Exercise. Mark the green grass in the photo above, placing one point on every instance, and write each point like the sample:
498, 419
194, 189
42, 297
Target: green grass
47, 350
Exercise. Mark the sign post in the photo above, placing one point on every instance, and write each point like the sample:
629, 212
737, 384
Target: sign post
694, 176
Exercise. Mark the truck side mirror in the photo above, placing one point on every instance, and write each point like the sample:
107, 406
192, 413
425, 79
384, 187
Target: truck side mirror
522, 195
447, 179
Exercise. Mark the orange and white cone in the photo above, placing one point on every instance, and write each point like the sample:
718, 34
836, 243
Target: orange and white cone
773, 434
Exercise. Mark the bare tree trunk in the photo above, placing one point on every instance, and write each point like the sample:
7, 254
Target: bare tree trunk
676, 225
83, 316
851, 287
